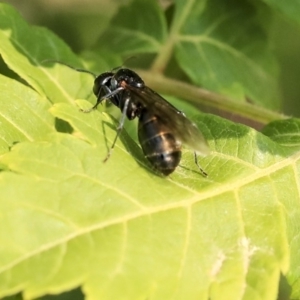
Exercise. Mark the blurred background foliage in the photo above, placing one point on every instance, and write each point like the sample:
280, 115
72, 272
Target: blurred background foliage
81, 22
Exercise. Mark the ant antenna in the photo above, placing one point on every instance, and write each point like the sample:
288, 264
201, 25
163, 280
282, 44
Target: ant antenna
125, 61
71, 67
198, 165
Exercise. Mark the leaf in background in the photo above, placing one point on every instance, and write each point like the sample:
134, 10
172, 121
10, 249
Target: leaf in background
221, 46
290, 9
146, 34
24, 114
285, 133
24, 48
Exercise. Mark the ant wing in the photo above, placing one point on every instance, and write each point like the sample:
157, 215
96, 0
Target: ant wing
182, 128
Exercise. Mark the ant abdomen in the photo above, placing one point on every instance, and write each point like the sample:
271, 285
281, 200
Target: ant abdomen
158, 143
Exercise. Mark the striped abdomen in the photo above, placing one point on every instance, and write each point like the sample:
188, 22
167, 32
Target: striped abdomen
158, 143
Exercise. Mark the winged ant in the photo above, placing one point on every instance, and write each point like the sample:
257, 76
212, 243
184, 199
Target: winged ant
162, 128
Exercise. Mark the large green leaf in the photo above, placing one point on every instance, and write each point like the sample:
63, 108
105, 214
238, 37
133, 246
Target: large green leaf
119, 230
186, 235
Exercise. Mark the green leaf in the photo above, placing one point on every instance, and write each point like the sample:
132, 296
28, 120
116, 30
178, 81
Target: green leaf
290, 9
118, 229
221, 46
146, 34
24, 114
194, 234
285, 133
25, 50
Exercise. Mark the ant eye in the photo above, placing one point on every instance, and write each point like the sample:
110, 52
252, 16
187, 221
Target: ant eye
96, 88
101, 81
113, 83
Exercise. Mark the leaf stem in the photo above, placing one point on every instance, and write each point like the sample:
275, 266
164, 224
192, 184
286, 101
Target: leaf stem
165, 53
200, 96
162, 59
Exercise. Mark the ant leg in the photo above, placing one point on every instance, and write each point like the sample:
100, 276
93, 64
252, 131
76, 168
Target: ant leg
196, 162
105, 97
119, 129
99, 100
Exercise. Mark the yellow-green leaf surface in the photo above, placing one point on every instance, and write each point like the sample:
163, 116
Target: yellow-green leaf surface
23, 114
26, 49
123, 232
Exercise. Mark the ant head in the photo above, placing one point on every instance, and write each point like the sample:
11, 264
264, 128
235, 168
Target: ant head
101, 80
129, 76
